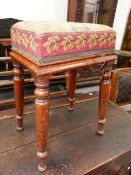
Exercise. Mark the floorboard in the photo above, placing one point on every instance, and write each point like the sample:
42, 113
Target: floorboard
55, 102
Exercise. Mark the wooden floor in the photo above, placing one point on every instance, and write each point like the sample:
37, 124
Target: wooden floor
74, 148
56, 101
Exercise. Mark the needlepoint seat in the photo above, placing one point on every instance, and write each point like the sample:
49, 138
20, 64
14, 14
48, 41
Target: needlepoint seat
44, 42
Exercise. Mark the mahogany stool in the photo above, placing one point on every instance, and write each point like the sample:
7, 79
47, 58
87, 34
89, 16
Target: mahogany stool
46, 48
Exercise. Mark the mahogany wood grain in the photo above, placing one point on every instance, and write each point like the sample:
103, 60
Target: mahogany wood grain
19, 94
104, 90
42, 113
61, 66
72, 86
5, 41
72, 10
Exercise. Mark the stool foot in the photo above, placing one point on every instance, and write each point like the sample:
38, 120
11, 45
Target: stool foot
71, 109
100, 133
41, 169
41, 157
71, 103
19, 123
20, 128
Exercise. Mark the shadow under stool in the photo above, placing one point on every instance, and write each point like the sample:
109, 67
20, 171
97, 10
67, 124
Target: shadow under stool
46, 48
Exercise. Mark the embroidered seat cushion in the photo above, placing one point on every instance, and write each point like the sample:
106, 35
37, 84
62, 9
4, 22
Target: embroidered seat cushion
44, 42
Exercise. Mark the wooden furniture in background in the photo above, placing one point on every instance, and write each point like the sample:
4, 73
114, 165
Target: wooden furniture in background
123, 58
75, 10
5, 42
127, 37
106, 12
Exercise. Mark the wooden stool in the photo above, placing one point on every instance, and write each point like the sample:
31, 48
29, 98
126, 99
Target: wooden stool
46, 48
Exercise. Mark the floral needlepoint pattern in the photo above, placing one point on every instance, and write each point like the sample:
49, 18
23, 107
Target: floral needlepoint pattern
46, 42
25, 40
18, 37
32, 43
81, 41
102, 40
92, 41
67, 42
111, 39
52, 43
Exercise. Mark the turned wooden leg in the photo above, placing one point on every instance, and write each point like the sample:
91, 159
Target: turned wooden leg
103, 100
67, 83
72, 86
19, 94
42, 112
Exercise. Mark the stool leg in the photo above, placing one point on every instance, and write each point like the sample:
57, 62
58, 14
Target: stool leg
72, 86
67, 83
42, 112
103, 100
19, 94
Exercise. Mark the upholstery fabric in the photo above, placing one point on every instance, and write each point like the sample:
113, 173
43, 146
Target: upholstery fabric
44, 42
123, 87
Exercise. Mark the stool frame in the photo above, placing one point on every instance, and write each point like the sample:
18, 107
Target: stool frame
42, 75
